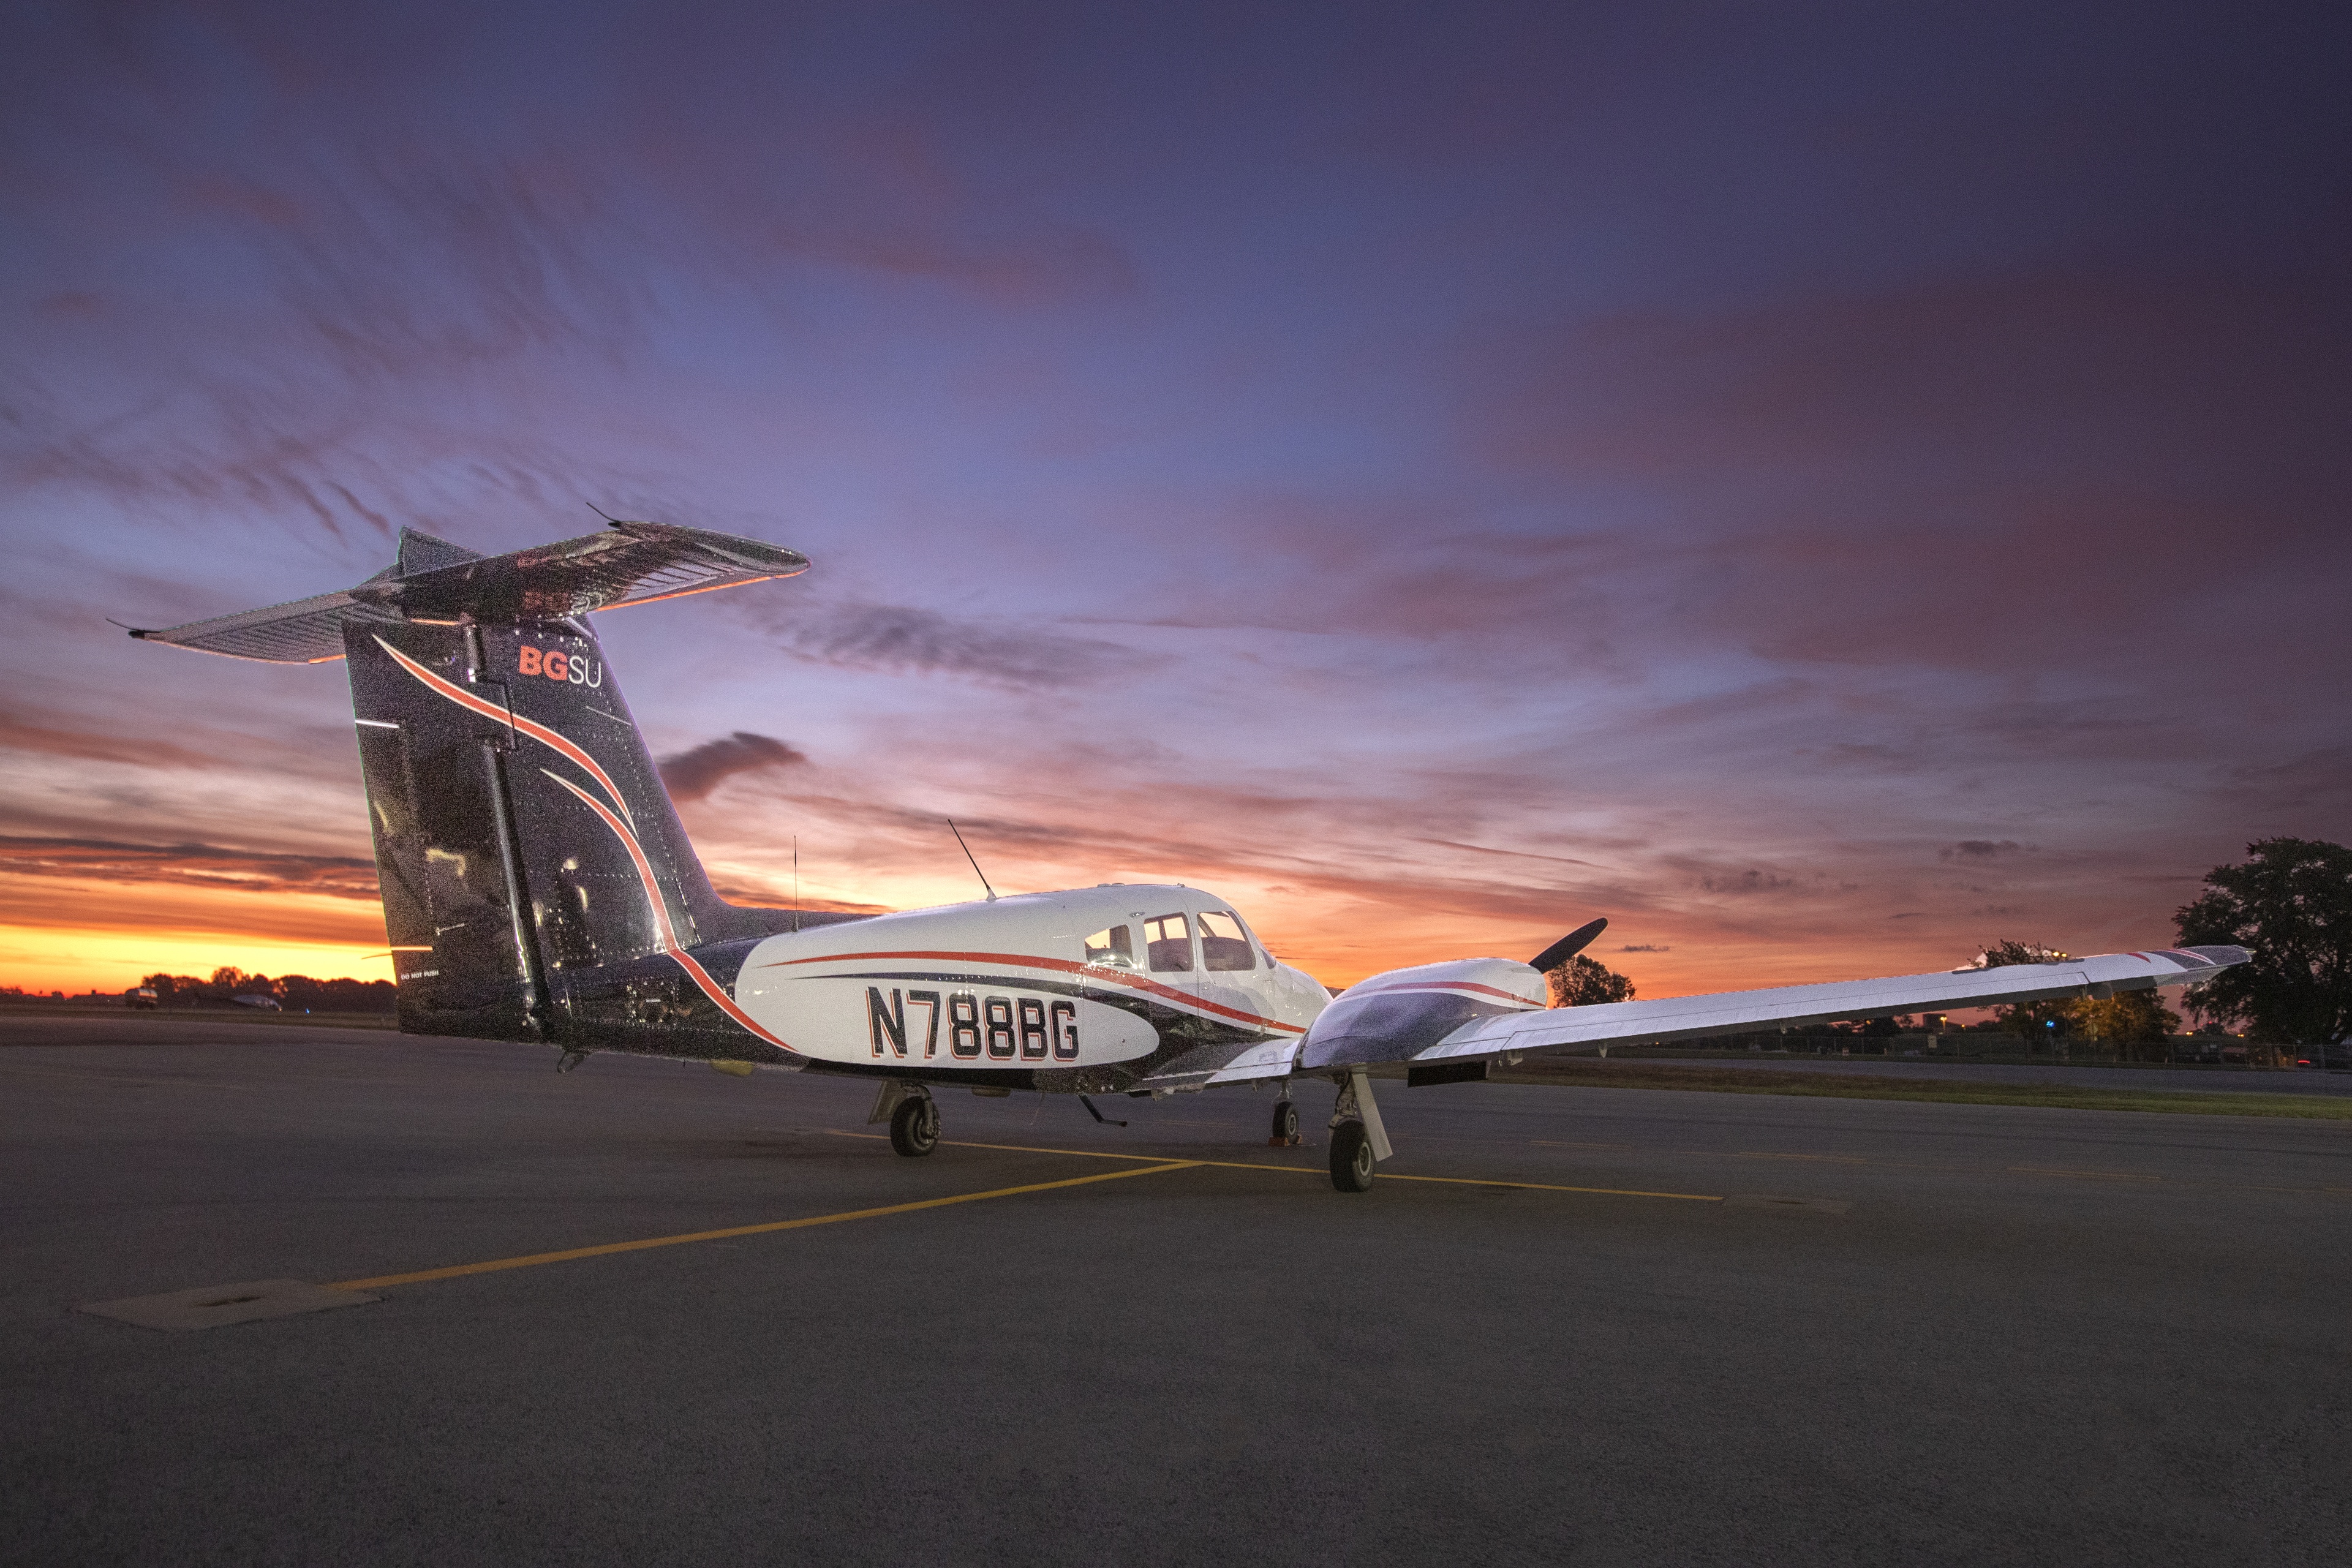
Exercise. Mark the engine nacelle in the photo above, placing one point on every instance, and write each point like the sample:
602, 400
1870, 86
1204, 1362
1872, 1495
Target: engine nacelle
1400, 1014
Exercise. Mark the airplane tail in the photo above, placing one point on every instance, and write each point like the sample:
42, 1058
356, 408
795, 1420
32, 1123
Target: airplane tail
527, 849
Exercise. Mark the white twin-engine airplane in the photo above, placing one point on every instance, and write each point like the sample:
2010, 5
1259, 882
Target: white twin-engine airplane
538, 886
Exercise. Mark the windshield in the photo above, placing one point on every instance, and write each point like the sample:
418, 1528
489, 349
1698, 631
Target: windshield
1223, 945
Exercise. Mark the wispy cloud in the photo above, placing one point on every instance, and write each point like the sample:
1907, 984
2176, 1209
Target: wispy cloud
210, 866
1743, 883
22, 735
695, 773
906, 640
1981, 849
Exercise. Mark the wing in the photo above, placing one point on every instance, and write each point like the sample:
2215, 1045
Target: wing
1532, 1030
1736, 1012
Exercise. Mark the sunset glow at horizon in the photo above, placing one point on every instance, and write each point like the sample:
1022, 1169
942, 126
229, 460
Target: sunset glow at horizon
1825, 492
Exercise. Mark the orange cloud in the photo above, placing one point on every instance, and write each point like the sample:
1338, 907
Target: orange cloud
182, 865
62, 933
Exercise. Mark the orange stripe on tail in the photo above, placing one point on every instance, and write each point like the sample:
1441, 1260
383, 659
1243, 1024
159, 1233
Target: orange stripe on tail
488, 710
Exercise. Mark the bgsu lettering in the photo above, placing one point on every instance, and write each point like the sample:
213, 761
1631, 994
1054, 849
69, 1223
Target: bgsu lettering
578, 669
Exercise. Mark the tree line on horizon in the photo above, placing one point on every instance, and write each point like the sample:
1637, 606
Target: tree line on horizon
295, 993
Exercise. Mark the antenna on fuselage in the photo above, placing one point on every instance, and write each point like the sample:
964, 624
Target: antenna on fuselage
796, 881
975, 863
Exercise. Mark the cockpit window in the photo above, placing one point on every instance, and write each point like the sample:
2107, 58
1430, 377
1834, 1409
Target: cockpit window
1113, 946
1223, 945
1167, 942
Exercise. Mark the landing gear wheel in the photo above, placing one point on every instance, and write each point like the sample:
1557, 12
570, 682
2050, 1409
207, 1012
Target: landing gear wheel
1351, 1157
915, 1126
1286, 1126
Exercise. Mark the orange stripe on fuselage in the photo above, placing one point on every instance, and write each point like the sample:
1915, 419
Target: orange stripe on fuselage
694, 971
1059, 965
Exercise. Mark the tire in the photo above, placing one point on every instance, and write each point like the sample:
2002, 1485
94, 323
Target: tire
1286, 1123
1351, 1157
915, 1126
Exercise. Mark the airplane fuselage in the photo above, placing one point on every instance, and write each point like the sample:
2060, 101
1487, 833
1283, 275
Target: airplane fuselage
1085, 990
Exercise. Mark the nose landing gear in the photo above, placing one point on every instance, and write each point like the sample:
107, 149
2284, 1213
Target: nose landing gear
914, 1119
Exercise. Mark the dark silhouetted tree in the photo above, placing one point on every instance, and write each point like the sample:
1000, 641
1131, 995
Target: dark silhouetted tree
2132, 1022
1581, 982
2289, 905
2031, 1019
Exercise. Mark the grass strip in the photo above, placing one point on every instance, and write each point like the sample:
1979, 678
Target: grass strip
1859, 1086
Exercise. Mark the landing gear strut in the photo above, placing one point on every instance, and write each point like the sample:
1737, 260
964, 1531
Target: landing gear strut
1359, 1141
915, 1126
1286, 1125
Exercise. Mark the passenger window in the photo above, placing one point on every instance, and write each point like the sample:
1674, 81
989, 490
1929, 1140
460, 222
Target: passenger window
1223, 945
1168, 942
1111, 945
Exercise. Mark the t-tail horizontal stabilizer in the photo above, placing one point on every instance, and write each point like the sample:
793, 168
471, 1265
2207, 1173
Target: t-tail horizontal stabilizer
437, 582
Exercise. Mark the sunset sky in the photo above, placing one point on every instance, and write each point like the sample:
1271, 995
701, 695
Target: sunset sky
1824, 487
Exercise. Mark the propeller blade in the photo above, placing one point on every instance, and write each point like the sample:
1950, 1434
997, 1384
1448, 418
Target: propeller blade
1568, 946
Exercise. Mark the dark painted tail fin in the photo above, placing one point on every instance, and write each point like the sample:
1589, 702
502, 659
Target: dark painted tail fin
522, 830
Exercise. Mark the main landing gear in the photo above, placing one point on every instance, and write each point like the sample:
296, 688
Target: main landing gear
1351, 1157
1286, 1124
914, 1119
915, 1126
1358, 1140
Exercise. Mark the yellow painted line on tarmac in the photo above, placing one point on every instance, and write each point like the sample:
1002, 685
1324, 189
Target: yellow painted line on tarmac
1547, 1188
532, 1260
1317, 1170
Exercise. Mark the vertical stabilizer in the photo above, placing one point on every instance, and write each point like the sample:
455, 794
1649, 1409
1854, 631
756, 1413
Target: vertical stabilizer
531, 860
521, 829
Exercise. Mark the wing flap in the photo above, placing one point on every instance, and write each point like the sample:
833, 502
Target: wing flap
1223, 1064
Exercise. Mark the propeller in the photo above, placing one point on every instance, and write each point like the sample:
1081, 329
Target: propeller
1568, 946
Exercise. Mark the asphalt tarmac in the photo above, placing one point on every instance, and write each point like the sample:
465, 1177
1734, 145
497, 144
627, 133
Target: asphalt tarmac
1603, 1326
2069, 1074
